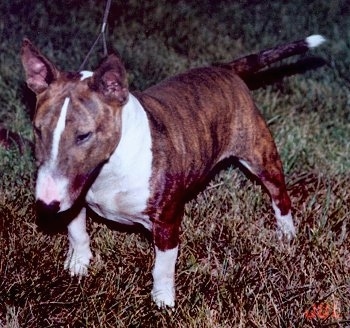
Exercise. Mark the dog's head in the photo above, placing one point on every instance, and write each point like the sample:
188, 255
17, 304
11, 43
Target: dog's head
77, 124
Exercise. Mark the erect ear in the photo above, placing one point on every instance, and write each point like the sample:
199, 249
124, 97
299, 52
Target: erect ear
110, 79
40, 72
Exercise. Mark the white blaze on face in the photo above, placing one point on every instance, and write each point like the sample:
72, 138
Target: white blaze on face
50, 186
61, 124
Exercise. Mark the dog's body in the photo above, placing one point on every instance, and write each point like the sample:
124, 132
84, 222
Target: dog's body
138, 158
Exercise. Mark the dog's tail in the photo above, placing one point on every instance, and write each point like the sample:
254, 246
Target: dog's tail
252, 63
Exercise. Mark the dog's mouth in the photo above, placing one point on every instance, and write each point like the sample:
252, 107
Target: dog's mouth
47, 210
52, 219
57, 196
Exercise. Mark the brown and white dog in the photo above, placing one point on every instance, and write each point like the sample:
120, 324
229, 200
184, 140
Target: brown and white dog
137, 158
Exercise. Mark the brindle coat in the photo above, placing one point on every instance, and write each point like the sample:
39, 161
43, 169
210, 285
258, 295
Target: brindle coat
139, 158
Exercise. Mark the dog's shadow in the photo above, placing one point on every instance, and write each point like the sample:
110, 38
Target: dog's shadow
58, 223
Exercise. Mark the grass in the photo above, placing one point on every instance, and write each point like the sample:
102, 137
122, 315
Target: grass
231, 272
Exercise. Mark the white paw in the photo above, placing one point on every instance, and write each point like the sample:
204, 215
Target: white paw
285, 225
164, 295
77, 262
285, 228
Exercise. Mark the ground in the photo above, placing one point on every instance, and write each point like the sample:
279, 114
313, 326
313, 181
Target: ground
232, 271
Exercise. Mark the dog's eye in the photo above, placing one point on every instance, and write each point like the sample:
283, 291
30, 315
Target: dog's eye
83, 137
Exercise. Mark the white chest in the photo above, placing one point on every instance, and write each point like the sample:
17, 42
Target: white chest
122, 189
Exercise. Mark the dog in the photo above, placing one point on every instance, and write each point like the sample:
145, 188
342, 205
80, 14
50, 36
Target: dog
137, 158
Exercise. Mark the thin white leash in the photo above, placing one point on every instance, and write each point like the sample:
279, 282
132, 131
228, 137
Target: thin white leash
102, 33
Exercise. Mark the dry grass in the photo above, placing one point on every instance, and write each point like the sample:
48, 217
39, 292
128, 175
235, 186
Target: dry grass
231, 272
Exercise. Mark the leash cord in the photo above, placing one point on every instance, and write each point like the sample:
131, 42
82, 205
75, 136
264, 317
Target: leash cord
102, 33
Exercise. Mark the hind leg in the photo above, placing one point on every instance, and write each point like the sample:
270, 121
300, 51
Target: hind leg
267, 166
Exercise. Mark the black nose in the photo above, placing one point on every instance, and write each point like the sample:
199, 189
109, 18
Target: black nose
46, 210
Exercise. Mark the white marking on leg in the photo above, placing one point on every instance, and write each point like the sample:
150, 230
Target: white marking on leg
285, 225
163, 292
79, 253
61, 124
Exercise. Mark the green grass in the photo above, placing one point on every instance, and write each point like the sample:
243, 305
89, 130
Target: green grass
231, 272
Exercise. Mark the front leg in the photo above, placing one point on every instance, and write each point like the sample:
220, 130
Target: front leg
79, 253
163, 292
166, 243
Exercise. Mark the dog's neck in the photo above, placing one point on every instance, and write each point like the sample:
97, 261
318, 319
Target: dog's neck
135, 142
128, 171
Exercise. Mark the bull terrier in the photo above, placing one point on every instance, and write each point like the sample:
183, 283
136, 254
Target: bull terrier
137, 158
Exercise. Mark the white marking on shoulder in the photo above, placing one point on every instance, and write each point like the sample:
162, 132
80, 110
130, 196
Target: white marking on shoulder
85, 74
122, 189
315, 40
61, 124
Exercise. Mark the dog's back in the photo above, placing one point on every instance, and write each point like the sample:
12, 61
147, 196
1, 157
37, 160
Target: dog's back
202, 114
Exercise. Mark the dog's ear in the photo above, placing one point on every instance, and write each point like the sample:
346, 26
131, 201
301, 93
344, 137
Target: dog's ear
110, 79
40, 72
